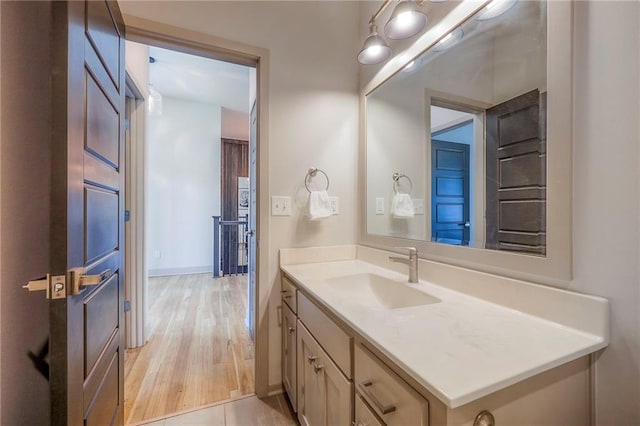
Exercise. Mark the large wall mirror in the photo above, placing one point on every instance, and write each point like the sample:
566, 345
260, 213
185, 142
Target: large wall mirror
465, 150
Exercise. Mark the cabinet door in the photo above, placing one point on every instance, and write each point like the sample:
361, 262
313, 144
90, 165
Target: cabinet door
325, 395
289, 360
309, 383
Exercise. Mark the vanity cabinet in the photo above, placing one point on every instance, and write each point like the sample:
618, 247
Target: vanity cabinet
324, 393
316, 362
393, 400
289, 295
364, 414
289, 359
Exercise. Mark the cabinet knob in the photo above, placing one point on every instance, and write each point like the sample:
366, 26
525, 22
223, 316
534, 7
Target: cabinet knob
484, 418
291, 329
311, 358
317, 368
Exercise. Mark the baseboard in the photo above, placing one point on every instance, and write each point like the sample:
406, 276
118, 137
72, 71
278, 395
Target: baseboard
275, 389
163, 272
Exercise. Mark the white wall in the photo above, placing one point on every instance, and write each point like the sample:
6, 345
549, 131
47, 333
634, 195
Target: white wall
313, 110
137, 64
396, 142
235, 124
183, 186
606, 193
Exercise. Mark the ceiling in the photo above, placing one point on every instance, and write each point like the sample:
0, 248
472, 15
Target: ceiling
194, 78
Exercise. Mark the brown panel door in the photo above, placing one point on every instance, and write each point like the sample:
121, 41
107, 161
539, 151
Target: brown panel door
86, 336
516, 174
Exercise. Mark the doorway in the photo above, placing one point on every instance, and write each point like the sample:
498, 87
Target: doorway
456, 162
198, 347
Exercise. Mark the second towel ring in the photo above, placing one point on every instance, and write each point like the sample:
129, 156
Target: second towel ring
396, 177
312, 173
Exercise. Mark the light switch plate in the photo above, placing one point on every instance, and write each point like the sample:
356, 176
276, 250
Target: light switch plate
335, 205
280, 205
380, 205
418, 206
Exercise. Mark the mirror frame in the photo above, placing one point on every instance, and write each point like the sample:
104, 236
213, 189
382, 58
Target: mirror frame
556, 267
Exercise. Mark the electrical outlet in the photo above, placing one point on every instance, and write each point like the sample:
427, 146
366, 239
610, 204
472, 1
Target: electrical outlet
335, 205
418, 206
280, 205
379, 205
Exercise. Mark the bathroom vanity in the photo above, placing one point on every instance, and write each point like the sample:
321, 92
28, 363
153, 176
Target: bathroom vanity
361, 345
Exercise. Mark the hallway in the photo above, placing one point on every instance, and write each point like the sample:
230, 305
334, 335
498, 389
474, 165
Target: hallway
199, 351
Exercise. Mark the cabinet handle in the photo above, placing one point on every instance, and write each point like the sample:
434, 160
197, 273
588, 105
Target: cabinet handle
384, 409
287, 297
291, 329
484, 418
311, 358
317, 368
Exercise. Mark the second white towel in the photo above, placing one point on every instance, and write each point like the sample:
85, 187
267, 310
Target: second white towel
402, 206
319, 205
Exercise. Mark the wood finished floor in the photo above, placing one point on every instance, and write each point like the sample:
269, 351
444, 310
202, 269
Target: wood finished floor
199, 352
249, 411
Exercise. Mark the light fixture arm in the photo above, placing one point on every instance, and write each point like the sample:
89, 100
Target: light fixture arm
375, 16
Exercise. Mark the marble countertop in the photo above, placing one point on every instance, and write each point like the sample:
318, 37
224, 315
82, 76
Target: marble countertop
460, 348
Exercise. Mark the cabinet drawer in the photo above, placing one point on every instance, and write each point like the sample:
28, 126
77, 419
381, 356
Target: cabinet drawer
393, 400
364, 415
289, 294
332, 338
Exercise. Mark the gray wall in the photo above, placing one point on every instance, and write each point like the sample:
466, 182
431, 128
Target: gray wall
24, 207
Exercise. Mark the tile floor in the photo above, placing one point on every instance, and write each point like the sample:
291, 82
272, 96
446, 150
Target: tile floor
249, 411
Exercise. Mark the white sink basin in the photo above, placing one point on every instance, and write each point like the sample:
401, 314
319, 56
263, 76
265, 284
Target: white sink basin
378, 291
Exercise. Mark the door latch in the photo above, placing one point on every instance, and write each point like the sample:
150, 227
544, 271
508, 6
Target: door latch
55, 286
80, 279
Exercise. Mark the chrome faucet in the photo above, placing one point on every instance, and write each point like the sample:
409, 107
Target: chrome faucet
412, 262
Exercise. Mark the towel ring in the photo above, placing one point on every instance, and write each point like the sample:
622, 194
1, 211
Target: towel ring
396, 180
312, 173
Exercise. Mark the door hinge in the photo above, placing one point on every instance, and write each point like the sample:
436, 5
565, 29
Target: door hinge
127, 306
127, 215
55, 286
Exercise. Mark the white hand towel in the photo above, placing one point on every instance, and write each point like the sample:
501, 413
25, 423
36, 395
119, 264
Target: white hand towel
319, 205
402, 206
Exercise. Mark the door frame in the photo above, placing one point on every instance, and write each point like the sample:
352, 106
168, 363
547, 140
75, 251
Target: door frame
135, 201
187, 41
477, 158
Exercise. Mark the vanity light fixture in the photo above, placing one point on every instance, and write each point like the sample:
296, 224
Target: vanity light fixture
406, 20
495, 8
375, 49
449, 40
